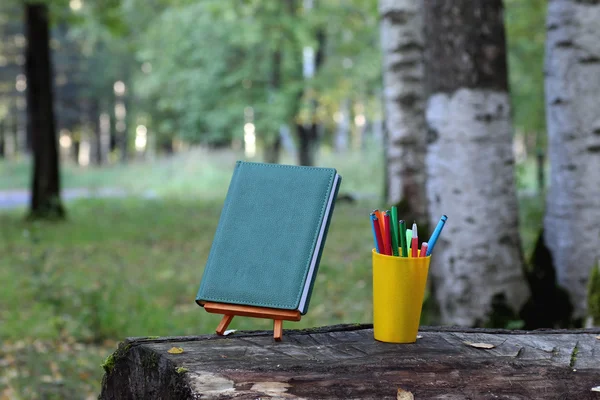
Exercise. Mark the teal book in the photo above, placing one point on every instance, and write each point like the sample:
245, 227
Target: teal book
270, 237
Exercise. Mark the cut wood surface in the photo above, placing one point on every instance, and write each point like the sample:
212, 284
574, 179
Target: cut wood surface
345, 362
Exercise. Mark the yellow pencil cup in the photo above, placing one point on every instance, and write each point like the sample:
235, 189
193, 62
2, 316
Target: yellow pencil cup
398, 291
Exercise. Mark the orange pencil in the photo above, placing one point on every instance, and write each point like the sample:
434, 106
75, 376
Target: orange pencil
379, 216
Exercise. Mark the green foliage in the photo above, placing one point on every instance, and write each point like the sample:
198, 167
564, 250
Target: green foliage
594, 294
192, 68
526, 34
199, 65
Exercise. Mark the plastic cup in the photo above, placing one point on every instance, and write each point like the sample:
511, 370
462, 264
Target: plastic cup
398, 291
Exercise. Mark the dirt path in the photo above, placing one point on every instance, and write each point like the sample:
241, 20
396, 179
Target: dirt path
20, 198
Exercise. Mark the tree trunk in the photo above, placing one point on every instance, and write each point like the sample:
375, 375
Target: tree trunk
572, 91
307, 143
344, 362
273, 150
124, 134
104, 126
113, 142
45, 198
342, 134
166, 146
75, 145
96, 139
2, 131
403, 76
273, 145
308, 135
540, 173
477, 269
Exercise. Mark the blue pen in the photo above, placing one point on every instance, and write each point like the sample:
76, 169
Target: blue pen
373, 222
436, 234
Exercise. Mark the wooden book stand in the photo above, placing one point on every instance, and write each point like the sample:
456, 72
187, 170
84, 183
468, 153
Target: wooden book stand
231, 310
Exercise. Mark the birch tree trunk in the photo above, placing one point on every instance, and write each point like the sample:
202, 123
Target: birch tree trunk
477, 263
403, 80
572, 221
342, 133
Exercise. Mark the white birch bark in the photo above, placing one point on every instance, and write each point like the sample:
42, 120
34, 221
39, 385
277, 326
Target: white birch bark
471, 179
572, 220
403, 77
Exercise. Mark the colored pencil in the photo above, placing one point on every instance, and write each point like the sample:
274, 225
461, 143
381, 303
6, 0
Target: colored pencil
387, 243
393, 233
394, 222
379, 215
415, 241
373, 223
436, 234
378, 237
423, 252
403, 243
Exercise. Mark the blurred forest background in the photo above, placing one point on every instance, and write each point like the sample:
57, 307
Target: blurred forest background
121, 120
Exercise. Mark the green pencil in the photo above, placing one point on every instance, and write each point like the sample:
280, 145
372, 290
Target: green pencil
394, 230
402, 229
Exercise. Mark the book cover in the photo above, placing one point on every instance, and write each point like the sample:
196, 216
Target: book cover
270, 236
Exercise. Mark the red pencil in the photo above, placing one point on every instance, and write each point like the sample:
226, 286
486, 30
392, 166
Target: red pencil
378, 237
414, 245
379, 215
423, 252
387, 240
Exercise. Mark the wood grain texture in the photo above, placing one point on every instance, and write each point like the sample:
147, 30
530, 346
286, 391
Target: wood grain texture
251, 311
344, 362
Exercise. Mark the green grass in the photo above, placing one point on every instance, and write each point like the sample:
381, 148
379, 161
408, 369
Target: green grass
194, 173
132, 266
127, 267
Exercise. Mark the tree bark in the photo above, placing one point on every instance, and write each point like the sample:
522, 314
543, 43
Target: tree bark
572, 87
307, 141
477, 269
45, 198
124, 134
96, 139
114, 140
404, 96
273, 150
308, 134
2, 131
273, 145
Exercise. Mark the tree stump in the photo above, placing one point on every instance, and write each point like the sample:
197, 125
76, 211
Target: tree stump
345, 362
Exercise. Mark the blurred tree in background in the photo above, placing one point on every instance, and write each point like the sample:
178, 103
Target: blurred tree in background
225, 73
45, 192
